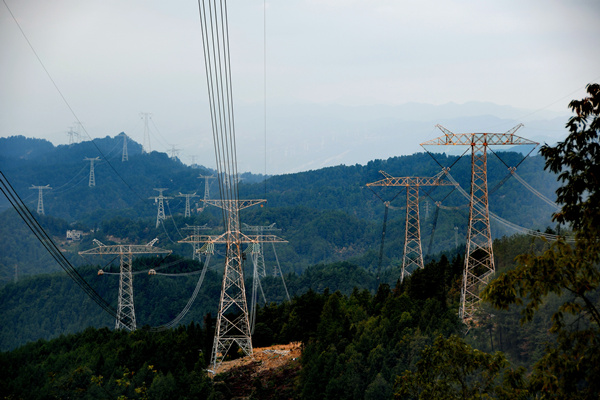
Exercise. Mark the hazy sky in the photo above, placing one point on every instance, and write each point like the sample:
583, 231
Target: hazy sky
114, 59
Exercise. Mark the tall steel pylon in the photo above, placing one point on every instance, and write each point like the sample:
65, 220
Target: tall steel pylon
479, 255
160, 216
40, 205
73, 136
92, 181
258, 255
125, 156
146, 145
187, 202
233, 294
216, 52
195, 243
206, 187
125, 309
413, 251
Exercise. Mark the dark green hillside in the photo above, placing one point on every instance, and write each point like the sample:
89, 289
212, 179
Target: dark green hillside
327, 215
332, 326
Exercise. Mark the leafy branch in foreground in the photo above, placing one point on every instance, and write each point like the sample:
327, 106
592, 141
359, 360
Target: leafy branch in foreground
570, 367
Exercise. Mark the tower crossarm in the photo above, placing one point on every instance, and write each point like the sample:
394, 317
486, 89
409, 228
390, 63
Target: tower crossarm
126, 249
439, 179
472, 139
259, 228
222, 239
187, 195
160, 195
230, 204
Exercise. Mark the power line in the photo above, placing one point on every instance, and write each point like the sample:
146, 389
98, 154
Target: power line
49, 245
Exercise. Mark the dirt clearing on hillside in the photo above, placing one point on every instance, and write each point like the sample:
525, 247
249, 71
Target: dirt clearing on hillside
266, 358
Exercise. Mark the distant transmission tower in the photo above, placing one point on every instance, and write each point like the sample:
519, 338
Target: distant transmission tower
413, 251
194, 239
174, 152
206, 188
125, 309
92, 181
125, 156
40, 207
73, 136
479, 256
160, 216
146, 144
257, 253
187, 202
260, 262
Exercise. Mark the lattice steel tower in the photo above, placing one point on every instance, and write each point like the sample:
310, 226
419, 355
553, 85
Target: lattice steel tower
125, 309
146, 145
479, 256
233, 294
193, 239
206, 188
40, 189
188, 212
160, 216
92, 181
125, 156
413, 251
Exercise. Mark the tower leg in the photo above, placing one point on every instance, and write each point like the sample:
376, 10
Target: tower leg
413, 252
479, 257
125, 310
233, 324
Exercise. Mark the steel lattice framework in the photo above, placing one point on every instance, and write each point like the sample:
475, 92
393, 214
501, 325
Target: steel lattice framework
187, 202
195, 245
92, 180
258, 252
206, 188
479, 256
125, 309
40, 189
160, 216
233, 293
413, 252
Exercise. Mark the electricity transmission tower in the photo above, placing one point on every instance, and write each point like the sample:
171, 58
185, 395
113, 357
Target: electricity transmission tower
187, 202
125, 309
40, 206
174, 152
206, 188
73, 136
193, 239
413, 251
125, 156
260, 261
146, 144
92, 181
479, 256
258, 258
160, 216
233, 294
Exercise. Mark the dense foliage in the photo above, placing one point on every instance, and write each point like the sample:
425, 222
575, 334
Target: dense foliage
570, 366
379, 335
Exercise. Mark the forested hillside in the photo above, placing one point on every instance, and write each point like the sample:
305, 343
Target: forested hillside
363, 337
326, 215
